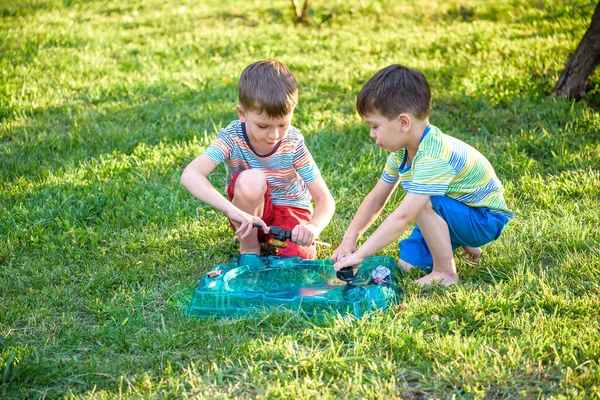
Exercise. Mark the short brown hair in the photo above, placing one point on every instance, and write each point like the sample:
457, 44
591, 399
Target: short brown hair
394, 90
269, 86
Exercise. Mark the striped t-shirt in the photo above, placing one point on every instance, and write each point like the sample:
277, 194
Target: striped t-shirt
444, 165
289, 167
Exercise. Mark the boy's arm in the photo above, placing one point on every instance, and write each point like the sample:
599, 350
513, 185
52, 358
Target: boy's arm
390, 230
194, 179
304, 235
367, 213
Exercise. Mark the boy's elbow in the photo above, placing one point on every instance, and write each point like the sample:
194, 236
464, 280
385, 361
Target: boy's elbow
376, 201
330, 202
402, 217
182, 178
185, 178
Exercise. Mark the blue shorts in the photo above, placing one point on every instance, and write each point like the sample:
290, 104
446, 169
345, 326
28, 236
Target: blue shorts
469, 226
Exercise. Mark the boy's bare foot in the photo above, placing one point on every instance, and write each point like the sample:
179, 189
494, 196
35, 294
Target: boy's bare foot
406, 267
446, 279
473, 253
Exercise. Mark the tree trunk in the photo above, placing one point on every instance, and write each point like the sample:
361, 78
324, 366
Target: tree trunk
582, 63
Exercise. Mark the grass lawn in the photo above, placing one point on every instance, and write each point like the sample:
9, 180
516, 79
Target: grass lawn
102, 105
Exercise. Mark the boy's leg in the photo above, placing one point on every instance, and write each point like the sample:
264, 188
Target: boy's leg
474, 253
414, 252
469, 227
437, 236
248, 192
406, 267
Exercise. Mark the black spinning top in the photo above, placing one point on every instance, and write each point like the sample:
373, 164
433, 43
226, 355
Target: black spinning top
346, 274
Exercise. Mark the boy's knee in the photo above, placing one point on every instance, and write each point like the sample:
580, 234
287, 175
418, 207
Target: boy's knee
251, 184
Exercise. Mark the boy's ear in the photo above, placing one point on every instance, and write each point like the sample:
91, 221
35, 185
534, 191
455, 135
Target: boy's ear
241, 113
405, 122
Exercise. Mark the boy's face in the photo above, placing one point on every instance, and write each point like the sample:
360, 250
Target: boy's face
388, 134
264, 131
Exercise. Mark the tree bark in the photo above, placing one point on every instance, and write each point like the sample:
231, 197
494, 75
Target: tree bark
582, 63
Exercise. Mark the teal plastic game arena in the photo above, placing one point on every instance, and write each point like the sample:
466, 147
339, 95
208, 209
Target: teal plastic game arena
253, 284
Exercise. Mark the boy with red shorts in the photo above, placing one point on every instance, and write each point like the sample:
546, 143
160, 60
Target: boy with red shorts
271, 175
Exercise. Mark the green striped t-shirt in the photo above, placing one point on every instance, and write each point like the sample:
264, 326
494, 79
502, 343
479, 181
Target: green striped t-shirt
445, 165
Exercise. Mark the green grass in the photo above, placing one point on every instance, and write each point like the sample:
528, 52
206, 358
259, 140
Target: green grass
103, 103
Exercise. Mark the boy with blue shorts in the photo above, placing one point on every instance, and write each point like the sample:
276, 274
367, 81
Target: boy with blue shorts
452, 191
272, 178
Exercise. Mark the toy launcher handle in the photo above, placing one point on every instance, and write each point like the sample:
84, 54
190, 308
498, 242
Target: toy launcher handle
314, 242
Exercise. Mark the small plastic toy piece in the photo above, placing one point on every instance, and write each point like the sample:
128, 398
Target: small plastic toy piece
279, 237
214, 273
381, 274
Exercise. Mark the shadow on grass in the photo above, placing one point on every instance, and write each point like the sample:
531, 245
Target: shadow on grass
73, 133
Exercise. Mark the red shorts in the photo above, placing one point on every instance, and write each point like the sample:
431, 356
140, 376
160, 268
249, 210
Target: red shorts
284, 217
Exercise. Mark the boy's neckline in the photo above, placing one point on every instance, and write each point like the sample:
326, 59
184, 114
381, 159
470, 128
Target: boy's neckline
403, 167
247, 139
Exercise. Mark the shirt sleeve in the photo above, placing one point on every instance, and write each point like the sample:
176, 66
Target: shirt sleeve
304, 163
220, 149
390, 171
431, 176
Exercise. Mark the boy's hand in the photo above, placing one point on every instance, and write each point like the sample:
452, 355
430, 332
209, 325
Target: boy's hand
346, 248
246, 220
353, 260
305, 235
